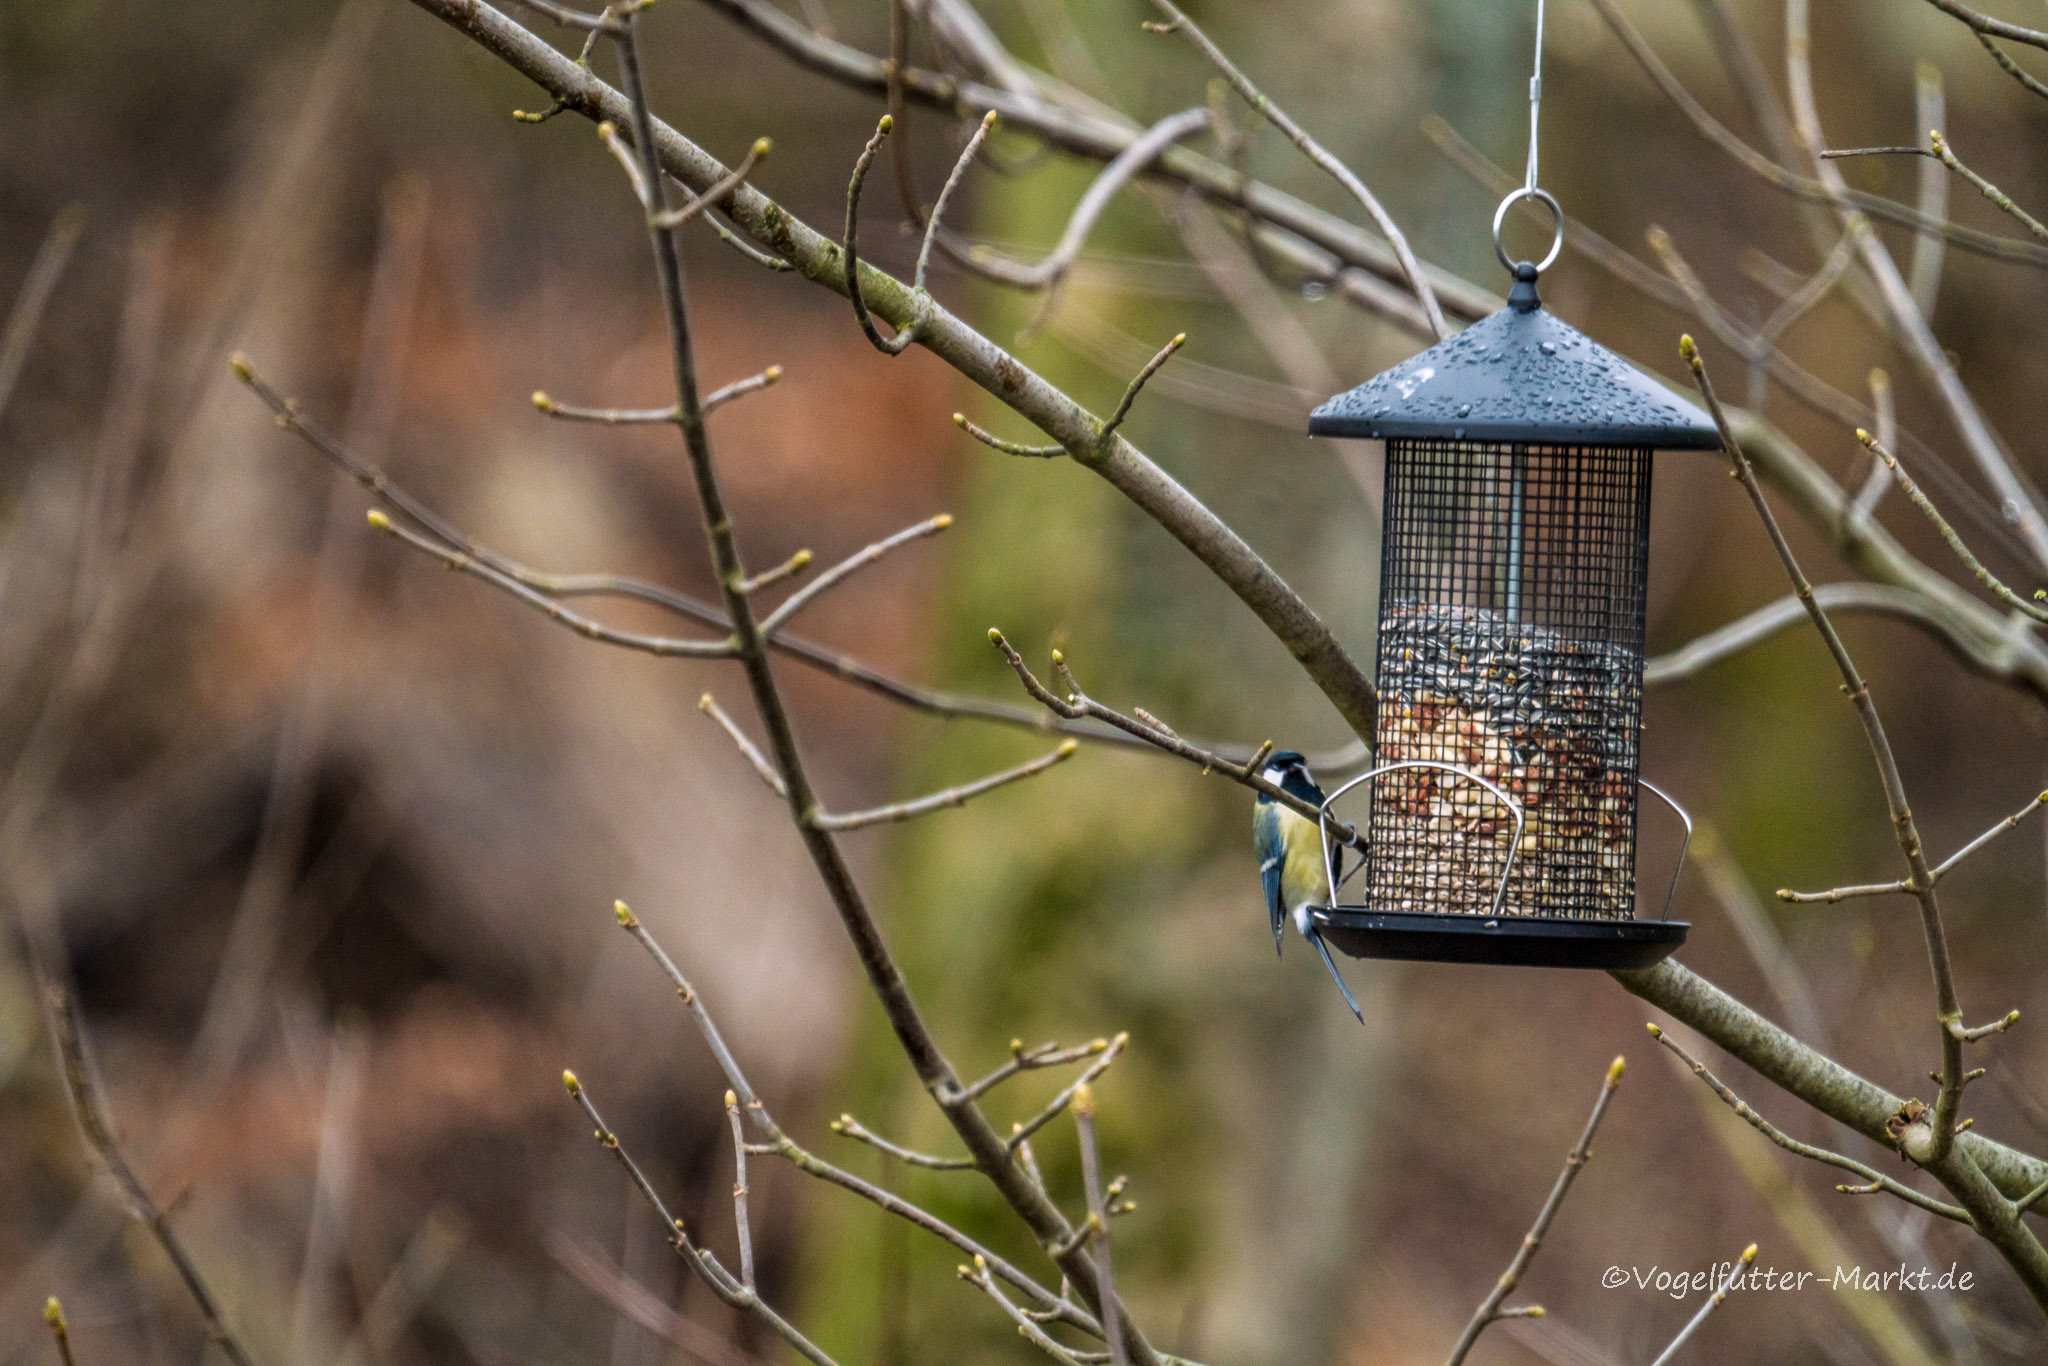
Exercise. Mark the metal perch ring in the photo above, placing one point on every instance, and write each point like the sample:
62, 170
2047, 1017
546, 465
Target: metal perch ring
1556, 213
1507, 870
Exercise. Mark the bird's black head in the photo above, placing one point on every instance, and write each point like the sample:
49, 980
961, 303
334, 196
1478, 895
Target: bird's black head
1288, 771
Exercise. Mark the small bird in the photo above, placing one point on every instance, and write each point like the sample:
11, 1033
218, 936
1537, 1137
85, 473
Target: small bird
1290, 850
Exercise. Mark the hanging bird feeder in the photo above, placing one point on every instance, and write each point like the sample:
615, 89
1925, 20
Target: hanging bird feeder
1514, 556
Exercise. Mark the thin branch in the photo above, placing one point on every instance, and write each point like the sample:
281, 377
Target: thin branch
1489, 1310
1904, 828
1692, 1325
768, 578
613, 417
744, 1230
605, 22
751, 751
850, 245
1989, 27
719, 191
2012, 68
1024, 1059
1948, 533
1121, 169
1418, 281
846, 568
60, 1329
1105, 431
739, 1294
849, 1127
950, 797
1027, 1326
1131, 391
1876, 1179
1022, 1131
804, 1160
1076, 704
610, 417
1098, 1217
96, 1126
1943, 869
1939, 871
1940, 151
667, 647
934, 225
990, 439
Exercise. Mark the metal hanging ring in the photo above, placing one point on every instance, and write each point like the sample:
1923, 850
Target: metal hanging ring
1500, 216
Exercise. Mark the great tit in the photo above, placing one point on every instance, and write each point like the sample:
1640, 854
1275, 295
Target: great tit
1290, 851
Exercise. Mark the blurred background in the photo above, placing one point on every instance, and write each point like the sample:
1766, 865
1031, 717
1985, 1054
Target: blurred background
330, 837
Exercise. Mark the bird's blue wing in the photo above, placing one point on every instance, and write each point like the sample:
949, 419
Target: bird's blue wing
1272, 855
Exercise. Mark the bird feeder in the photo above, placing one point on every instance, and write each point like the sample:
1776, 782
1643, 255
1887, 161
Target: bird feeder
1514, 557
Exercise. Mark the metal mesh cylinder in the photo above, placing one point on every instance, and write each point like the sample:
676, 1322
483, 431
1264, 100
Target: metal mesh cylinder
1511, 646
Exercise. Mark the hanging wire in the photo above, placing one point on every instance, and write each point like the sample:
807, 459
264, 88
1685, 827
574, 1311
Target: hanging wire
1530, 189
1535, 99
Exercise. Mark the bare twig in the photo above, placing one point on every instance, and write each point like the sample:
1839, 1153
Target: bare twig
1948, 533
846, 568
1489, 1310
950, 797
2012, 68
748, 749
605, 22
1418, 281
1938, 872
1939, 150
60, 1329
1876, 1179
1024, 1059
1076, 704
1098, 1217
703, 1261
1990, 27
768, 578
719, 191
849, 1127
1121, 169
744, 1230
463, 561
1905, 829
1105, 431
1692, 1325
1104, 1061
804, 1160
850, 245
97, 1128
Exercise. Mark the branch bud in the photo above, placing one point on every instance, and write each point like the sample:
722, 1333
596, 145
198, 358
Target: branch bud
627, 920
569, 1080
1614, 1071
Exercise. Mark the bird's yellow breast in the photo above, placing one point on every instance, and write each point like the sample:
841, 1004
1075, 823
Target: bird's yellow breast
1301, 873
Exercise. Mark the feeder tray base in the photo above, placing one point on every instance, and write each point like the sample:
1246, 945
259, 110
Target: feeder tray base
1511, 941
